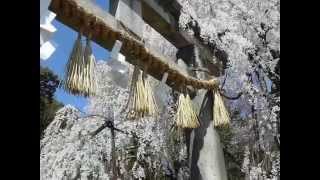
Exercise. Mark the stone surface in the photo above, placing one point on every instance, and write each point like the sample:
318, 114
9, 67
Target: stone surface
128, 12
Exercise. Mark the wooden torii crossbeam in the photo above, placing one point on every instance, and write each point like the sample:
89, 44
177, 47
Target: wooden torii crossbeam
89, 19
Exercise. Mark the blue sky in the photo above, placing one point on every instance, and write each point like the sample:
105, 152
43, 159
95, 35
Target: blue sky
63, 39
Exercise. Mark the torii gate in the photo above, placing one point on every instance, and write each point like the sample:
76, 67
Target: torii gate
124, 24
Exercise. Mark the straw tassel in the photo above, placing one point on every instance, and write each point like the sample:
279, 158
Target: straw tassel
79, 76
221, 116
137, 100
151, 102
71, 74
141, 101
90, 83
186, 117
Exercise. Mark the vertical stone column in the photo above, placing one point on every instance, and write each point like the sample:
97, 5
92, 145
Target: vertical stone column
206, 159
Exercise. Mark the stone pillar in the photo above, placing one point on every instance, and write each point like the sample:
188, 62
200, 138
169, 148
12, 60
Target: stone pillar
206, 159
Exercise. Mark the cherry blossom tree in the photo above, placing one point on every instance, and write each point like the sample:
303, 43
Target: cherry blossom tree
247, 32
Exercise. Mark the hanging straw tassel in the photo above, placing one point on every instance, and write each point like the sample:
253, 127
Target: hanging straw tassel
79, 76
186, 117
140, 101
89, 80
72, 73
220, 114
141, 97
137, 99
150, 100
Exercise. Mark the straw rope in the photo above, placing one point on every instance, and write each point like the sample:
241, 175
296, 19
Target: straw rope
106, 28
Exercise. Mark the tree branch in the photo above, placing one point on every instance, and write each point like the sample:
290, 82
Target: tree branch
224, 81
200, 69
110, 125
277, 140
232, 98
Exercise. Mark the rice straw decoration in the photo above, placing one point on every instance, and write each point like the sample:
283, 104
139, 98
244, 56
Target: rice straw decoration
79, 76
141, 99
150, 100
137, 97
221, 116
186, 117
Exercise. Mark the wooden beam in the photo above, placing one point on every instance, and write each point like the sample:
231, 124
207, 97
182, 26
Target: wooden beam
89, 19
